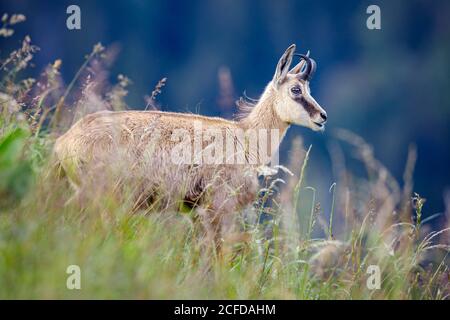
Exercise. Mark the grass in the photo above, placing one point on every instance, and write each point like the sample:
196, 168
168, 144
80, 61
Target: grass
291, 254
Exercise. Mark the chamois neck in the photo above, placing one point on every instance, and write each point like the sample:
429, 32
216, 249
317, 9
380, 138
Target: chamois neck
263, 115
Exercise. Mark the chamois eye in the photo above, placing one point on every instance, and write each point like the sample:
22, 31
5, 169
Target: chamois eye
296, 91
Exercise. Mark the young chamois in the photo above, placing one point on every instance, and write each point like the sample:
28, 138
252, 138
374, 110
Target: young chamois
142, 148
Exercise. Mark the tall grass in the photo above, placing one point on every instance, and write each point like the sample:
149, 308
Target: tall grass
286, 248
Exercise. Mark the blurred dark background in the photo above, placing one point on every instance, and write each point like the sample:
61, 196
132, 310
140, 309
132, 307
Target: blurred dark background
390, 86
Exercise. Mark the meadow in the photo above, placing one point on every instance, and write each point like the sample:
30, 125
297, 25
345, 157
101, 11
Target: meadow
288, 247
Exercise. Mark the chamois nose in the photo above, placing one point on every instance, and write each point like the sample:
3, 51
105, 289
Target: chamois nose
323, 115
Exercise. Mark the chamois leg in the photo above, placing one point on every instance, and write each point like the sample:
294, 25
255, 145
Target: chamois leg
217, 220
211, 221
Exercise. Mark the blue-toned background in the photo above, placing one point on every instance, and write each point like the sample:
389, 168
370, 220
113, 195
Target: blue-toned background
391, 86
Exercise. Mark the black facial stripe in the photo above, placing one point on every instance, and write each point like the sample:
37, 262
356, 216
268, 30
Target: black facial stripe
308, 106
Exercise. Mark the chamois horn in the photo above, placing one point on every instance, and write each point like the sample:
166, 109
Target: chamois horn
310, 68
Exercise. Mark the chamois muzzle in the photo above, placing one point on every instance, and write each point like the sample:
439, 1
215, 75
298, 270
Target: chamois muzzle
310, 68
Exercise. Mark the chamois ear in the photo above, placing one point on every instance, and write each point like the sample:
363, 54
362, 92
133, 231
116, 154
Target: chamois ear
283, 65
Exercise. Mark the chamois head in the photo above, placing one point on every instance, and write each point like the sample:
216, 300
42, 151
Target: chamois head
293, 101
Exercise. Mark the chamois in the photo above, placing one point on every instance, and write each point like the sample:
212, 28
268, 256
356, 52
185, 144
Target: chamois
140, 145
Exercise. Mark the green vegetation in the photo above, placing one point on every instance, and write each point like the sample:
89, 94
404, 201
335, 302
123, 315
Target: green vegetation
122, 253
